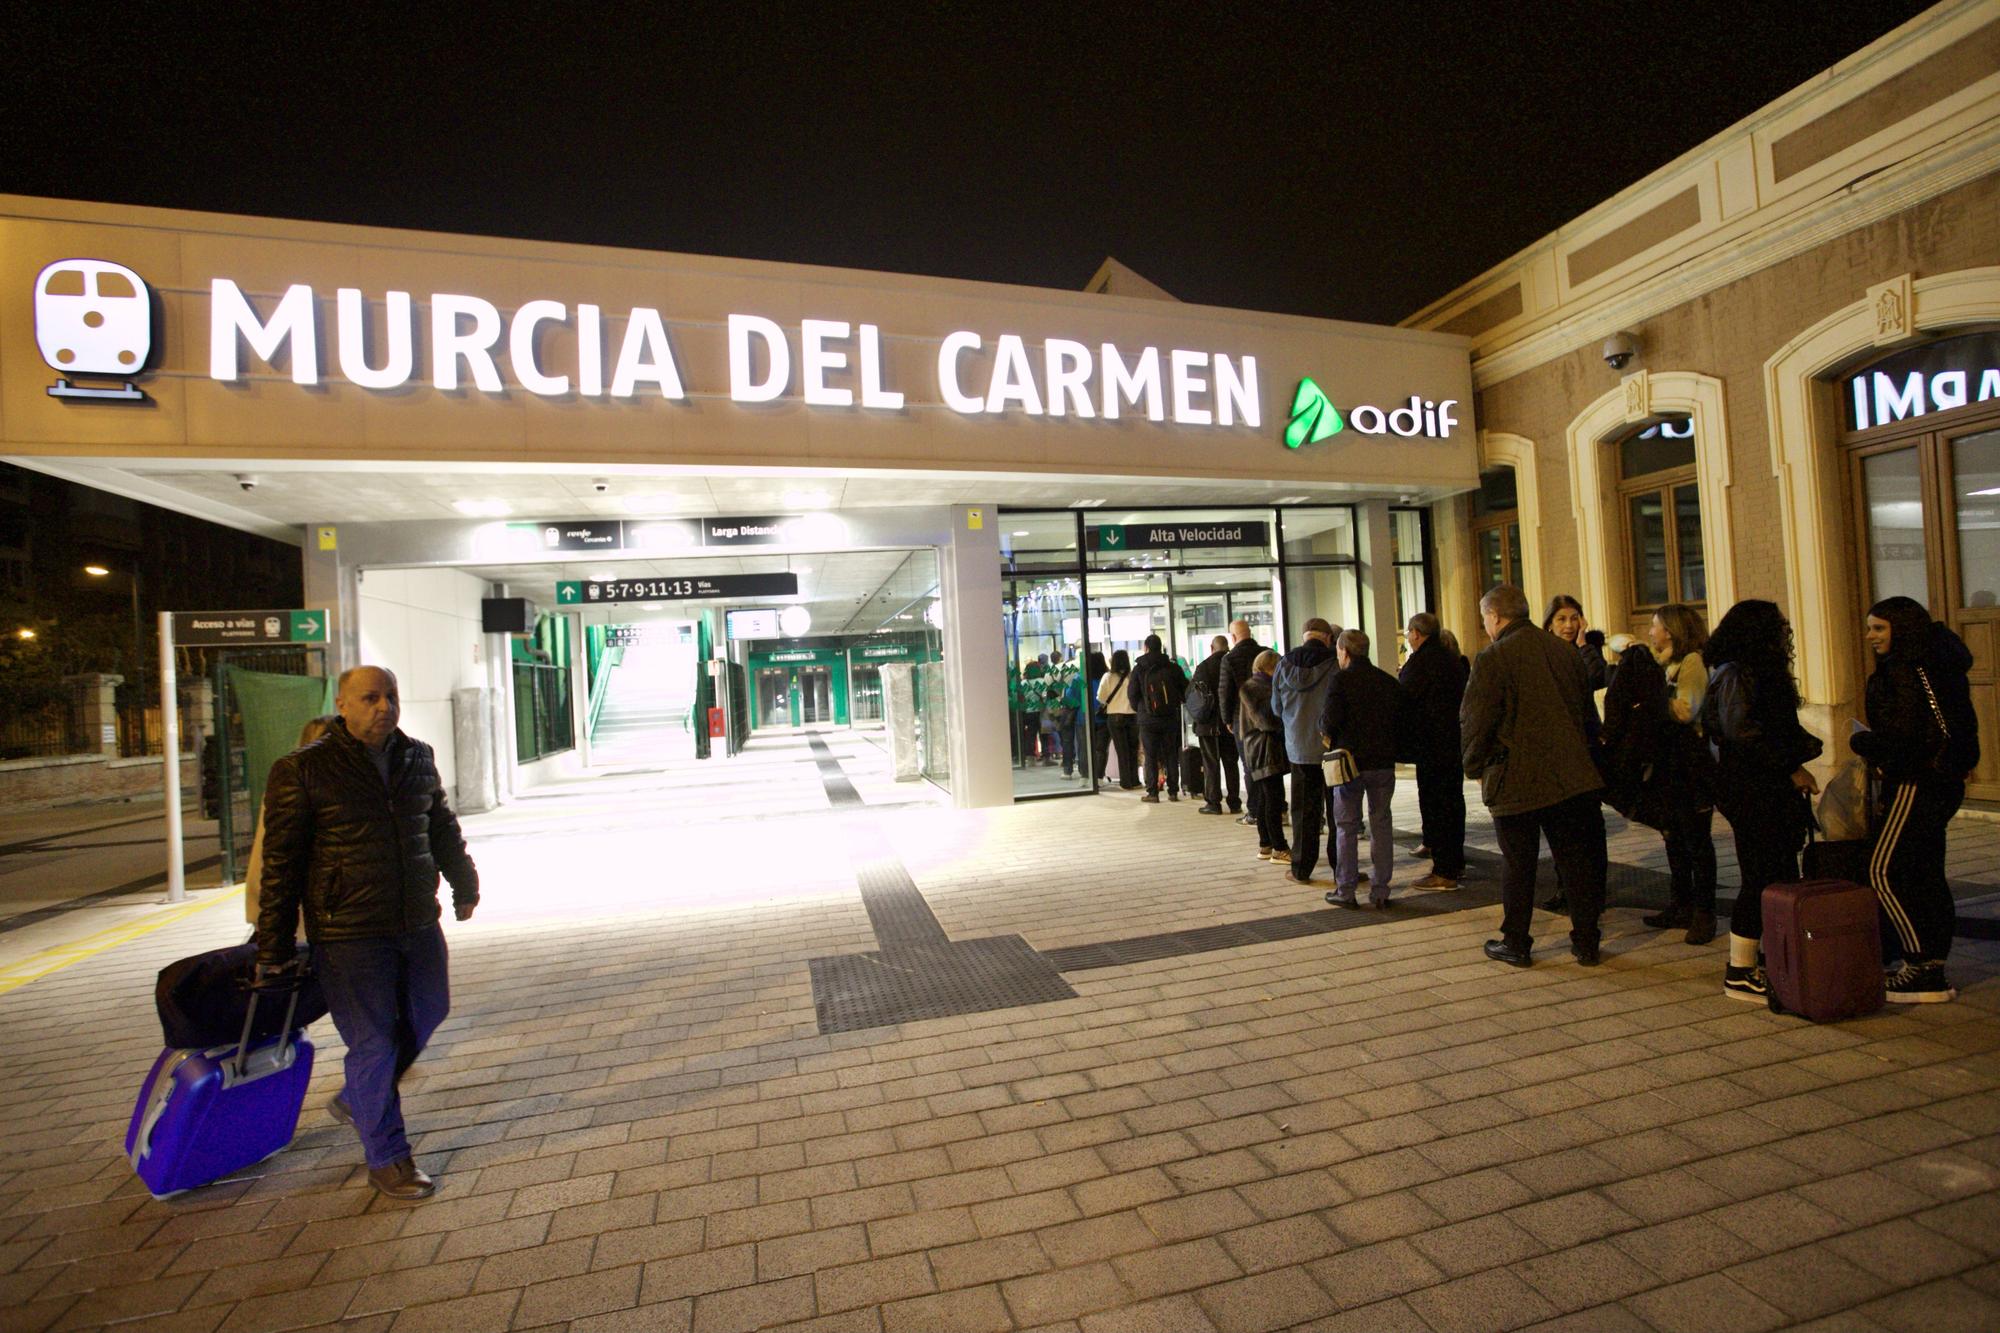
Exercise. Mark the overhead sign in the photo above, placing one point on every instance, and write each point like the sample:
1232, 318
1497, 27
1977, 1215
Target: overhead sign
685, 587
887, 651
583, 536
659, 534
247, 629
1935, 377
464, 342
1160, 536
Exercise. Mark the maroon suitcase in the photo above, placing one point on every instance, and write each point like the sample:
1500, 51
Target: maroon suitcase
1822, 949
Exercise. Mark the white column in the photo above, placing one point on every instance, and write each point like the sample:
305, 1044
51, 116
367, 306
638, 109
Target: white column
975, 659
170, 753
336, 586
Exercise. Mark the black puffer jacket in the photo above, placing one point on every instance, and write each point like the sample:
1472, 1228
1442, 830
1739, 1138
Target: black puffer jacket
361, 860
1258, 729
1904, 739
1237, 665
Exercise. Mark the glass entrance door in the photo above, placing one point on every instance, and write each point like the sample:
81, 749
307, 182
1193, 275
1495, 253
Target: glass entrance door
774, 697
1050, 720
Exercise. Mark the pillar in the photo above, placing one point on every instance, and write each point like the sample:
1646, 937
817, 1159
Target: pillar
98, 704
975, 653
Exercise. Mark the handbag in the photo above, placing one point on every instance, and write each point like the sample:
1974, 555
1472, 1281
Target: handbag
1340, 769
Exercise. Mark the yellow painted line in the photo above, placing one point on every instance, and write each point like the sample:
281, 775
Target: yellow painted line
55, 959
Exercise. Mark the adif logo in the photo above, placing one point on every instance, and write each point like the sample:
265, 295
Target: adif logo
1314, 418
93, 317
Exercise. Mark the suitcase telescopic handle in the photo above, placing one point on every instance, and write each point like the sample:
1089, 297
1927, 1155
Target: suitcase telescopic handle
250, 1023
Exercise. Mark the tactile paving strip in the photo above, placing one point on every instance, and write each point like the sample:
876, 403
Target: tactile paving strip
902, 985
840, 793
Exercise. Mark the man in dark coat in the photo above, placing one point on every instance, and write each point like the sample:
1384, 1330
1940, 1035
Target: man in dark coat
1238, 665
1298, 696
1218, 745
1158, 687
1362, 713
1433, 680
356, 831
1526, 723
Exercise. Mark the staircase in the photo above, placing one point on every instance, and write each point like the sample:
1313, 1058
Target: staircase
644, 719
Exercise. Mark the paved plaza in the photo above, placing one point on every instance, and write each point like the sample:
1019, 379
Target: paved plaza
1244, 1111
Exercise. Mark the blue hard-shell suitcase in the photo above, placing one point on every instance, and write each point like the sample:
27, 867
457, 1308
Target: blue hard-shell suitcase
203, 1114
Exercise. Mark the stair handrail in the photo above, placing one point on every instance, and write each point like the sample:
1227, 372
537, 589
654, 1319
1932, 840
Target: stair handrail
601, 687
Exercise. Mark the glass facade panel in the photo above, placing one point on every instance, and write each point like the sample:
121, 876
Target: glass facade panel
1687, 544
1050, 724
1492, 559
1320, 534
1975, 463
1893, 485
1514, 554
1646, 516
1038, 541
1330, 592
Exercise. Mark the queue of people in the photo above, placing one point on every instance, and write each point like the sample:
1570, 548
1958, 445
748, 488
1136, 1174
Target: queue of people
1555, 722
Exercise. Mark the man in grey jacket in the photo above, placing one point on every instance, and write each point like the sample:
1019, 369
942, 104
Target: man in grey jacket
1298, 696
1527, 721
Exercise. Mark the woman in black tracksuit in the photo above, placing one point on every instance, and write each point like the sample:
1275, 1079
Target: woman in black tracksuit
1923, 739
1751, 717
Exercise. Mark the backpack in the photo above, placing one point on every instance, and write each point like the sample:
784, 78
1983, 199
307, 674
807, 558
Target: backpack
1200, 704
1164, 690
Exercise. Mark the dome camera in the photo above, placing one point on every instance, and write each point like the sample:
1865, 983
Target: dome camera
600, 484
1620, 348
244, 481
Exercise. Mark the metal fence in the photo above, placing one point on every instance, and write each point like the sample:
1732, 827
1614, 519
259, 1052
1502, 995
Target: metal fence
56, 728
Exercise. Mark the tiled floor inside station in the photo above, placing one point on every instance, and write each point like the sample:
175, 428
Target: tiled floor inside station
647, 1110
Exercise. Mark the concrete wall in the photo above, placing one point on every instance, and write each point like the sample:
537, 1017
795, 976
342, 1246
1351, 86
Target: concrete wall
79, 778
423, 624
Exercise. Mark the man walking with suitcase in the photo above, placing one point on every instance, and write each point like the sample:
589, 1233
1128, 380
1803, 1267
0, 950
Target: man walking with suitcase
356, 831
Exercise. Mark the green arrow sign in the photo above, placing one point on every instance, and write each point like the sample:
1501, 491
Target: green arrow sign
1111, 538
1314, 417
569, 593
308, 627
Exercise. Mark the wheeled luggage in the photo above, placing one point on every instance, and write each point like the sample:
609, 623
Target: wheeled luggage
203, 1114
1191, 770
1822, 949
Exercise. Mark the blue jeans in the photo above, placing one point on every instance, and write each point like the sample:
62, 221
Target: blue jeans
387, 995
1376, 786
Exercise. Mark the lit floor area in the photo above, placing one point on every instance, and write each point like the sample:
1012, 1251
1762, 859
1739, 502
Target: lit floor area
1076, 1064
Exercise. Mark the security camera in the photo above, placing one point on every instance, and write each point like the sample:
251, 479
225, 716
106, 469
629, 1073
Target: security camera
245, 481
600, 484
1620, 348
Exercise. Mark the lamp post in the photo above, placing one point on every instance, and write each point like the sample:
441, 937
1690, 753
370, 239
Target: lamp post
132, 575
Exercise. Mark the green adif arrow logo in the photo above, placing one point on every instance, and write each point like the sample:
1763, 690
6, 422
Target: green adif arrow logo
567, 592
1314, 417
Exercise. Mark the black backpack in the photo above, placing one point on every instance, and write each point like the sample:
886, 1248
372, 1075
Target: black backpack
1164, 689
1200, 704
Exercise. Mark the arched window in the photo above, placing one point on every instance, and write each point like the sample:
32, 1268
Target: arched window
1496, 528
1659, 504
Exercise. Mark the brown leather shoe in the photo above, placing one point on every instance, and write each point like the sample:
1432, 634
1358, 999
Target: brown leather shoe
401, 1180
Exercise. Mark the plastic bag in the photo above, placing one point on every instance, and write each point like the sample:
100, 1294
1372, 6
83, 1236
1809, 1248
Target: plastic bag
1843, 805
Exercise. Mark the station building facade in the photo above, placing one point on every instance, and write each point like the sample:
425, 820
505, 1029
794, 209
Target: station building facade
765, 479
1767, 370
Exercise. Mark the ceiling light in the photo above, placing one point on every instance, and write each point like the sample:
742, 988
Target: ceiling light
96, 571
1990, 490
1022, 533
24, 634
1085, 504
794, 621
483, 508
1289, 500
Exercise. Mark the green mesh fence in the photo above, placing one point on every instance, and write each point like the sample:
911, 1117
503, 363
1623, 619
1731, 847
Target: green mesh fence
273, 708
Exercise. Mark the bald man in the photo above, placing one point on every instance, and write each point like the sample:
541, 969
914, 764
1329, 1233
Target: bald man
356, 831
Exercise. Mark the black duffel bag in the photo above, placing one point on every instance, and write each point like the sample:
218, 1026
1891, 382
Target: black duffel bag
203, 999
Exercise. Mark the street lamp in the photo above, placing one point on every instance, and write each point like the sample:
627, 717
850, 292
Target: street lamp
138, 635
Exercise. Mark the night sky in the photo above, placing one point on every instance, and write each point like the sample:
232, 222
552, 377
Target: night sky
1354, 161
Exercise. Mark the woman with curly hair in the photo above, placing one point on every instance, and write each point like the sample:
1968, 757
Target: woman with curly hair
1751, 717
